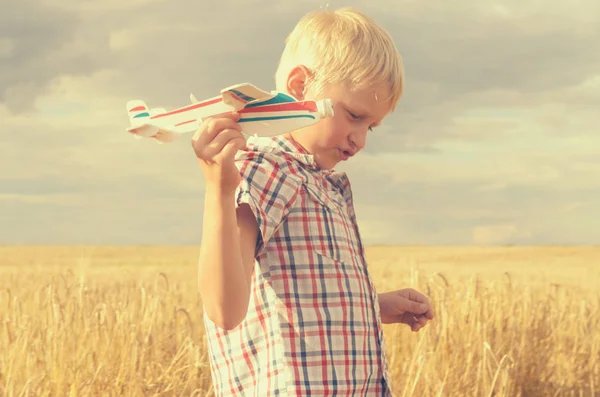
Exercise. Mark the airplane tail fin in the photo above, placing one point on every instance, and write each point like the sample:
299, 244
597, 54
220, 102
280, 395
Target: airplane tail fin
138, 112
139, 115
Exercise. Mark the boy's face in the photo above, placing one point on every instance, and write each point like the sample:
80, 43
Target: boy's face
340, 137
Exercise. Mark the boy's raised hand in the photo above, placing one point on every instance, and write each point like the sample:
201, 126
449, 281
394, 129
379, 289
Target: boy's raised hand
215, 143
405, 306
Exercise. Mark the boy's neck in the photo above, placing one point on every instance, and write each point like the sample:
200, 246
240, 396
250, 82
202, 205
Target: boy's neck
290, 138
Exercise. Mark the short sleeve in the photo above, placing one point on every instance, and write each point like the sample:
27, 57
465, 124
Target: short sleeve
267, 188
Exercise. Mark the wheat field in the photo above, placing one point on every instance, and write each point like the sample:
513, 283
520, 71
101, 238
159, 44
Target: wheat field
127, 321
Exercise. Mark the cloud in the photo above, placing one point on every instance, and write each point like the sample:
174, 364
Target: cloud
493, 142
474, 198
114, 219
42, 42
478, 71
474, 46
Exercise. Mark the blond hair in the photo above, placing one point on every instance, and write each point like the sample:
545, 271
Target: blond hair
343, 47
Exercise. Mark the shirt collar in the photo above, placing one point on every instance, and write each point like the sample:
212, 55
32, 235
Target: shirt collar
298, 152
286, 145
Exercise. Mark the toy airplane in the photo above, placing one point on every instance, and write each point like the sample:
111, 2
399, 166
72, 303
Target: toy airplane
261, 113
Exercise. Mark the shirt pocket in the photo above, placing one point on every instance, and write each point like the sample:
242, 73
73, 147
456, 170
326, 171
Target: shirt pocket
331, 231
328, 198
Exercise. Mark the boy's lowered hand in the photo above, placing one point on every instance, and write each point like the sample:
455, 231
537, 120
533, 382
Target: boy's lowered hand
215, 143
405, 306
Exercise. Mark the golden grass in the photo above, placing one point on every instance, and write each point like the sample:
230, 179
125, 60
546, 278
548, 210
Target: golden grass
108, 321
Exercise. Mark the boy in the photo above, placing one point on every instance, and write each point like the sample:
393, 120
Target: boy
289, 306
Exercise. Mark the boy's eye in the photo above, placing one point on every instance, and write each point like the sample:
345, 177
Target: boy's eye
355, 117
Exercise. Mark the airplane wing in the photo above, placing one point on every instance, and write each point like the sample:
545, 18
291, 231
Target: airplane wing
165, 135
150, 130
240, 95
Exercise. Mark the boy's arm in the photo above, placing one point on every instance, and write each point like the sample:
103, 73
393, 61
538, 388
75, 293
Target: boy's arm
234, 225
226, 259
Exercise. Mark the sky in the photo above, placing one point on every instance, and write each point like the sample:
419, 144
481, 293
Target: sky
495, 141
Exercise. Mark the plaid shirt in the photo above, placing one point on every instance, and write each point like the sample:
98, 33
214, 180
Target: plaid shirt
313, 325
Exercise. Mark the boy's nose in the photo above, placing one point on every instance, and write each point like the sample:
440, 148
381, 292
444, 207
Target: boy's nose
358, 139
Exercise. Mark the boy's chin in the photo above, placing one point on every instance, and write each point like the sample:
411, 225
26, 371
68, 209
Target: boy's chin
331, 161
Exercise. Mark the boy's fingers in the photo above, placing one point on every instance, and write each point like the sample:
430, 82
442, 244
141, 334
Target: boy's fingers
418, 323
418, 308
215, 126
217, 145
229, 119
423, 301
232, 146
234, 115
430, 314
209, 130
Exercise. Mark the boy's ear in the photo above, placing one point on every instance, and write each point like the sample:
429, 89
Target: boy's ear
297, 82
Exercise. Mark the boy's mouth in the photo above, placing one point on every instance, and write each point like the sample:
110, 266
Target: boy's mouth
346, 154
